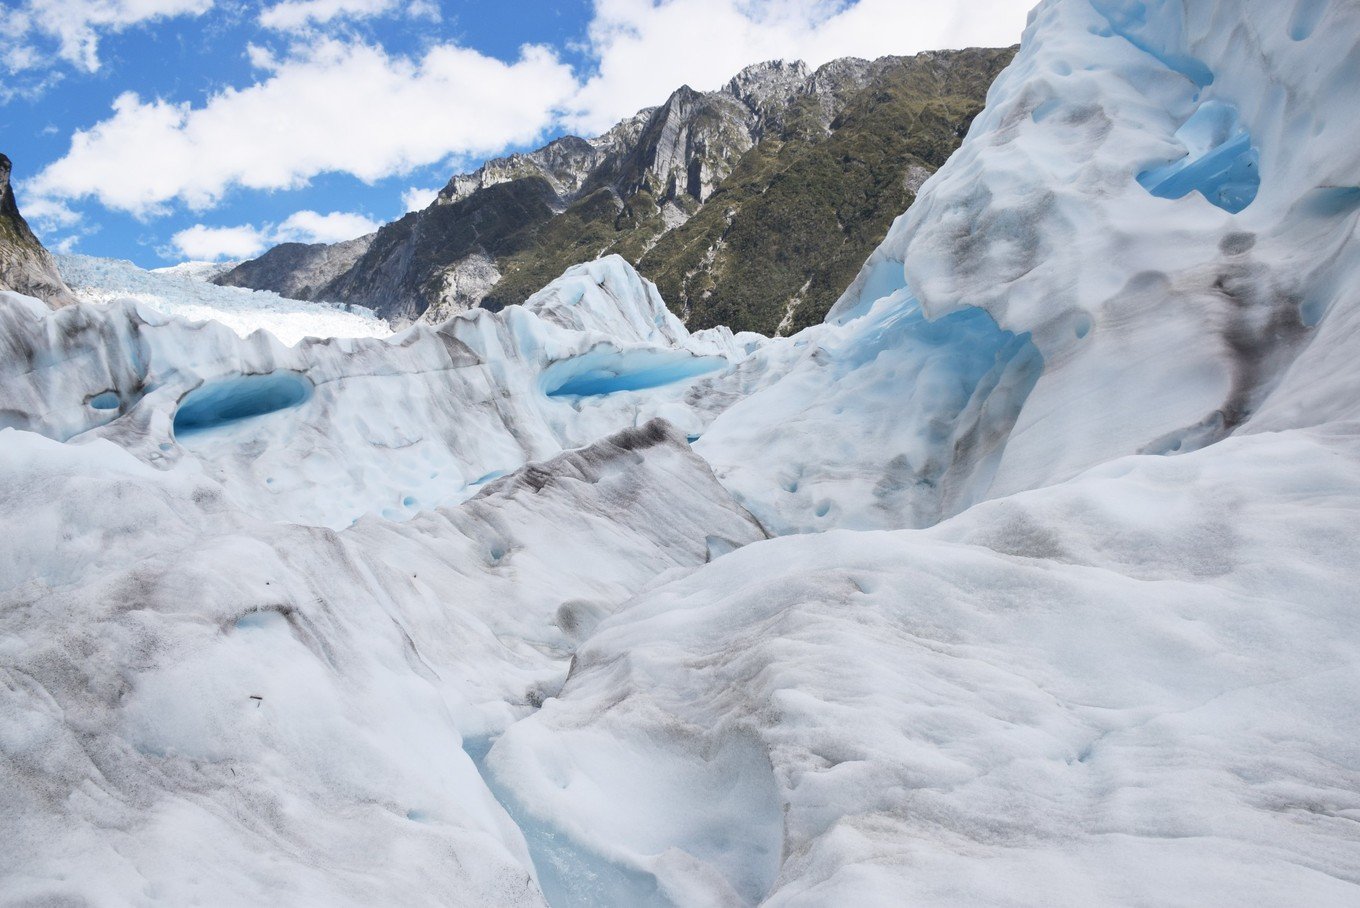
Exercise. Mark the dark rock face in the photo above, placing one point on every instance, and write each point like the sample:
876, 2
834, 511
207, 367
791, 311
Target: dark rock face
25, 266
751, 206
406, 269
298, 270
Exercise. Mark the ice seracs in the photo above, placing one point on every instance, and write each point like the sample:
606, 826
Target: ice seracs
1164, 323
480, 395
186, 291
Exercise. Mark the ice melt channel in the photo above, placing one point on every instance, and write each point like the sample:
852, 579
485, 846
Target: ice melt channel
570, 875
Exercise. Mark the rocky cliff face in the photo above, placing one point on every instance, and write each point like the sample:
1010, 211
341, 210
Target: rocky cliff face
297, 270
25, 266
810, 166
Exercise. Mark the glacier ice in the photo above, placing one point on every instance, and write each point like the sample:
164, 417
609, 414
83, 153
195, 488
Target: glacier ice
604, 370
290, 731
1027, 578
474, 393
891, 420
185, 291
1134, 687
1220, 162
220, 403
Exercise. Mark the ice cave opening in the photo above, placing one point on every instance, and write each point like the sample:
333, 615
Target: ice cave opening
226, 401
1221, 162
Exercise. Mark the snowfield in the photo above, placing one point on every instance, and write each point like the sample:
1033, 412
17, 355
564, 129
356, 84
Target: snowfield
1028, 578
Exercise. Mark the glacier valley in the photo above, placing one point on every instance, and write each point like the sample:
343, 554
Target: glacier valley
1029, 577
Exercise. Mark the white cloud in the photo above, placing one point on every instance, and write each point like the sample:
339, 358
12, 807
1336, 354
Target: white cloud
311, 227
647, 48
327, 105
417, 199
208, 244
200, 243
335, 106
293, 14
261, 57
75, 26
48, 214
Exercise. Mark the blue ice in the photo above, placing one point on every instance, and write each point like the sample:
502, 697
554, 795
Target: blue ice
605, 371
569, 874
230, 400
1221, 163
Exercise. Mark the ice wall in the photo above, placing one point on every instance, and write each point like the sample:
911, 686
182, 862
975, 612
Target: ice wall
1169, 318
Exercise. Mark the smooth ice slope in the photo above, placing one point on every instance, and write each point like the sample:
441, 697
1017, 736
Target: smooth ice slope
1136, 687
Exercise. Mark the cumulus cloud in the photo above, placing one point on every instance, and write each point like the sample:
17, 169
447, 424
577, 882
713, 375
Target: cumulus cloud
75, 26
417, 199
647, 48
348, 106
293, 14
49, 214
312, 227
335, 106
209, 244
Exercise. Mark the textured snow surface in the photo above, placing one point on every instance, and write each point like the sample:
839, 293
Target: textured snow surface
1029, 578
184, 291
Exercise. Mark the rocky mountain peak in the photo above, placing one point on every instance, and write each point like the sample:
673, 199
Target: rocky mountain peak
762, 86
642, 190
25, 266
564, 163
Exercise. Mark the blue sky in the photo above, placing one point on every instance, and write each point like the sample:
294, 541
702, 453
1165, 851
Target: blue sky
161, 130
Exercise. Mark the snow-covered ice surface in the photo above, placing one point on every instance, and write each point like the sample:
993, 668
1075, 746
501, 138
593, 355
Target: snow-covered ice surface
241, 712
1061, 607
1164, 323
1138, 687
183, 291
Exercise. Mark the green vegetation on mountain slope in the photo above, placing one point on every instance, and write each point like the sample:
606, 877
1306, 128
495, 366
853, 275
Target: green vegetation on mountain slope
780, 238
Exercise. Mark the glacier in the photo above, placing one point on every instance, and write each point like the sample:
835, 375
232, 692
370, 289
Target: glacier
1026, 578
185, 291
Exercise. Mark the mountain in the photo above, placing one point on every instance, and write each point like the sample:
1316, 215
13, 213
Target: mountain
25, 266
750, 207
